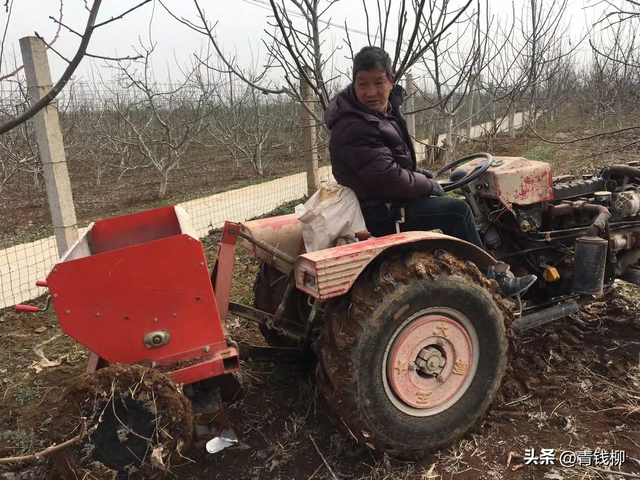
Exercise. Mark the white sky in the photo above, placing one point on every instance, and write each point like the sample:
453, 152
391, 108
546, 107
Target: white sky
240, 28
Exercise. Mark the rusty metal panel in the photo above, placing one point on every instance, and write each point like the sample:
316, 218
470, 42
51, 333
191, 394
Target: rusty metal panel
515, 180
283, 232
331, 272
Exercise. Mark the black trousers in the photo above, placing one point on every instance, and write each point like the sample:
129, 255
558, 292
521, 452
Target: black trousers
451, 215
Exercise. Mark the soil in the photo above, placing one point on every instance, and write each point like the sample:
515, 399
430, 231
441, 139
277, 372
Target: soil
130, 414
24, 211
573, 385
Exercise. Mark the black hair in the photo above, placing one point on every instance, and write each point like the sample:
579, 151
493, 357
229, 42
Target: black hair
370, 58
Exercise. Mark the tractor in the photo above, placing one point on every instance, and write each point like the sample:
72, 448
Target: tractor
409, 338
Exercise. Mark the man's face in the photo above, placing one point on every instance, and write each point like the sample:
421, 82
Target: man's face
373, 88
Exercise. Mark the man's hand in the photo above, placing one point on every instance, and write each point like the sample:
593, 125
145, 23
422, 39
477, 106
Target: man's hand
424, 172
436, 189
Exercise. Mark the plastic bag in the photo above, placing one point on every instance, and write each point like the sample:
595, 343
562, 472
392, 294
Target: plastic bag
330, 215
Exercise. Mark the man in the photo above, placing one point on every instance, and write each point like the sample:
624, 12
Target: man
372, 154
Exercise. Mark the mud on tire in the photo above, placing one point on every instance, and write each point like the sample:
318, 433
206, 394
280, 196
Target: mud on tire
367, 349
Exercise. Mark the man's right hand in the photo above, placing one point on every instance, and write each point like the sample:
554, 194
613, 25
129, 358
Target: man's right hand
436, 189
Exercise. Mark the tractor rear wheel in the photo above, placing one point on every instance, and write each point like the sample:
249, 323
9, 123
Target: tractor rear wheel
268, 289
136, 424
413, 358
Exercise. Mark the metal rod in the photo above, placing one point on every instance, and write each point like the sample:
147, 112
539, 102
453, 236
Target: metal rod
544, 316
313, 315
263, 318
269, 248
291, 285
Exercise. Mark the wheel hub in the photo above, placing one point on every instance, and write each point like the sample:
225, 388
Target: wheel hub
430, 362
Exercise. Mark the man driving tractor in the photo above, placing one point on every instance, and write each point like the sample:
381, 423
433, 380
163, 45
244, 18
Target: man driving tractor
373, 155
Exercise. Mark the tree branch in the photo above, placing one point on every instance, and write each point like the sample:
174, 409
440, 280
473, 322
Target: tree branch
66, 76
122, 15
48, 450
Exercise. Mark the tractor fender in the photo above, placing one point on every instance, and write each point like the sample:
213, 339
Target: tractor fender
332, 272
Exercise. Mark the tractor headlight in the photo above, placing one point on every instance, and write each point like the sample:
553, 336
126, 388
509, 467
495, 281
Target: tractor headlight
310, 280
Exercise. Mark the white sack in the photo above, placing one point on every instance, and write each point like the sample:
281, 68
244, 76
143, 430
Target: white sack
331, 214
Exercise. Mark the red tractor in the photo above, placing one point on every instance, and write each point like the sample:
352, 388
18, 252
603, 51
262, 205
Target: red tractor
410, 338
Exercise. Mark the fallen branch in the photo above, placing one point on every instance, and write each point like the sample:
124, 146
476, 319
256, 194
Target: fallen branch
613, 472
323, 459
48, 450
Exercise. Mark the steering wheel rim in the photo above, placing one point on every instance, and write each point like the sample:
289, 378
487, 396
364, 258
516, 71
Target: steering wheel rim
470, 177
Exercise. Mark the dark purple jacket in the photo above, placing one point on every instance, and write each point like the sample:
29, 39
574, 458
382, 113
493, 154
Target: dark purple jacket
371, 153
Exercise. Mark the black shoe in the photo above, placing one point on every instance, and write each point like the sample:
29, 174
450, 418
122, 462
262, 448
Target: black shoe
511, 286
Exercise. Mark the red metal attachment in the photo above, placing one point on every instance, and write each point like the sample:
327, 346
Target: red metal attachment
27, 308
41, 283
223, 269
430, 362
138, 289
331, 272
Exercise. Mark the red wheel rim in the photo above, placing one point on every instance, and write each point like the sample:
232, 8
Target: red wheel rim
430, 362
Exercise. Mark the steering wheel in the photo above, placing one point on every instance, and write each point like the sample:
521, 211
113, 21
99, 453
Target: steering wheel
469, 177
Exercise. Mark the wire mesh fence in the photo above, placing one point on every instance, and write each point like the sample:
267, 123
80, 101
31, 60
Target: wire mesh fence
124, 155
221, 158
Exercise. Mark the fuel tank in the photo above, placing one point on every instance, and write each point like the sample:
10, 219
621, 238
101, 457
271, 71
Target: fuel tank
514, 181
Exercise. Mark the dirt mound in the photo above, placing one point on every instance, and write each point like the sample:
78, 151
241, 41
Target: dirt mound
137, 423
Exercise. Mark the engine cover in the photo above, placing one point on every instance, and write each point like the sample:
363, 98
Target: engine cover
515, 180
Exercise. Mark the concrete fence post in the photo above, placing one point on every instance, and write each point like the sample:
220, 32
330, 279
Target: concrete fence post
49, 138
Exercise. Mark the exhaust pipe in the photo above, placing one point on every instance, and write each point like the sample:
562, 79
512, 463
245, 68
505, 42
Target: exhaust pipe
542, 317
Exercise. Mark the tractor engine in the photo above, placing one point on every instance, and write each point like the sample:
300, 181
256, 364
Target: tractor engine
577, 233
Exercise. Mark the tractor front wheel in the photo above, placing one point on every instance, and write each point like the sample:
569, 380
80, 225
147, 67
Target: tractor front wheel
414, 357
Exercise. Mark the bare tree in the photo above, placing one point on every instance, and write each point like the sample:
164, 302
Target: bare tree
453, 69
250, 126
91, 26
532, 53
617, 13
18, 147
112, 144
613, 78
299, 54
18, 153
161, 123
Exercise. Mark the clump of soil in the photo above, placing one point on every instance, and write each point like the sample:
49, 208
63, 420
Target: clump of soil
137, 423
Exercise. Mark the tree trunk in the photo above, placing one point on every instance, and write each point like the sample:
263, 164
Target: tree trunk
433, 139
164, 179
448, 142
411, 119
494, 128
257, 159
99, 172
470, 108
512, 120
163, 184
